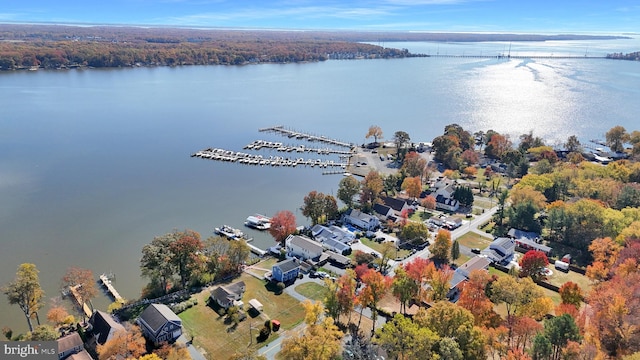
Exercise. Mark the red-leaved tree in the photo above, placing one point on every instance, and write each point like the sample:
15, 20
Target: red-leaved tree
533, 264
283, 224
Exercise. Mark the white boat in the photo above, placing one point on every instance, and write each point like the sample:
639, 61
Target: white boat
229, 232
259, 222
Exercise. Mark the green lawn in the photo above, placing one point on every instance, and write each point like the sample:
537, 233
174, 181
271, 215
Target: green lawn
312, 290
220, 340
484, 202
560, 277
474, 240
462, 259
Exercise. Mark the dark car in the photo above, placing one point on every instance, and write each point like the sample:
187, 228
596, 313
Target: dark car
475, 251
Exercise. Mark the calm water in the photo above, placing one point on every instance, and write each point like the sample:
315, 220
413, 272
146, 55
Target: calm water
95, 163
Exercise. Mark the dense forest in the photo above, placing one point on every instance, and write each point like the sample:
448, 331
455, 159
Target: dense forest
59, 46
635, 56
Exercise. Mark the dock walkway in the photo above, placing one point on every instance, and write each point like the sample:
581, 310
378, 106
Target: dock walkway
252, 159
259, 144
74, 293
304, 136
104, 279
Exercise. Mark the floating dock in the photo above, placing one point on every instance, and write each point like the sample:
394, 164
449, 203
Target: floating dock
106, 282
260, 144
252, 159
304, 136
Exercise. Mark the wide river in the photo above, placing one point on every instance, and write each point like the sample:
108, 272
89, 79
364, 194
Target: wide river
95, 163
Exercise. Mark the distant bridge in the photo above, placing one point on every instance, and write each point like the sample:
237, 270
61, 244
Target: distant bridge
516, 56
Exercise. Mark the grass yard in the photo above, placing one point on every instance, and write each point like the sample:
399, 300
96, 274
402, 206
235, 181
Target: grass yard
220, 340
312, 290
484, 202
559, 278
378, 247
461, 259
474, 240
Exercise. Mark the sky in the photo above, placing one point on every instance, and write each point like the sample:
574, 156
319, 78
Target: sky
527, 16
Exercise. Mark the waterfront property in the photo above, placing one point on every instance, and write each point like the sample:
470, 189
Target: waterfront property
362, 220
102, 327
229, 295
159, 324
72, 347
302, 247
285, 270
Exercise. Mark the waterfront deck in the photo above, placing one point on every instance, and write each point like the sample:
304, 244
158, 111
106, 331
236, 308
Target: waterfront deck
73, 290
106, 282
305, 136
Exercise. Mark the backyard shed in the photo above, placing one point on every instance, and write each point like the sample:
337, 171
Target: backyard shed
254, 303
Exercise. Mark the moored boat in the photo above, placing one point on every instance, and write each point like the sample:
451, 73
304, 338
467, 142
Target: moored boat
229, 232
259, 222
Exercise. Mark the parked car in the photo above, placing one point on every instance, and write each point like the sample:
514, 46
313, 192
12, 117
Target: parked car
475, 251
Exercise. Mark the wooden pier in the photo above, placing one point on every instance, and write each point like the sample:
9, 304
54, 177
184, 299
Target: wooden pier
304, 136
252, 159
73, 290
106, 282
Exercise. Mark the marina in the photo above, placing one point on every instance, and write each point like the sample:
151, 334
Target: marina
253, 159
259, 144
305, 136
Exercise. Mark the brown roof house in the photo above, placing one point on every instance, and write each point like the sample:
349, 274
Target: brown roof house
160, 324
229, 295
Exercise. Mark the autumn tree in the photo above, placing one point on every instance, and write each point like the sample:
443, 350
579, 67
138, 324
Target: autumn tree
570, 293
533, 264
401, 139
441, 248
414, 232
43, 332
371, 188
428, 203
155, 263
283, 224
184, 254
523, 298
414, 165
474, 297
25, 291
83, 281
173, 351
449, 320
346, 292
124, 344
498, 146
404, 339
376, 132
616, 137
376, 286
320, 339
412, 186
605, 253
524, 330
57, 315
348, 187
314, 206
404, 288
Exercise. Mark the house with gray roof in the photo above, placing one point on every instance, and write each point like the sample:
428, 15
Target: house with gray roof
528, 240
302, 247
361, 220
383, 211
500, 250
159, 324
228, 295
285, 270
461, 274
103, 327
69, 345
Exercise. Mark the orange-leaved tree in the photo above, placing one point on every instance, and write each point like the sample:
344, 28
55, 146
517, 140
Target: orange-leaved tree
283, 224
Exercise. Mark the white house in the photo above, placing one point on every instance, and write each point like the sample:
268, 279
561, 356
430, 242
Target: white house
228, 295
362, 220
302, 247
448, 204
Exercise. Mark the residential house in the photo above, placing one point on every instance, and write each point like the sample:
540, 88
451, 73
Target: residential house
82, 355
285, 270
500, 250
528, 240
228, 295
302, 247
103, 327
336, 246
384, 212
361, 220
338, 260
452, 222
461, 274
447, 204
398, 205
159, 324
320, 233
69, 345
